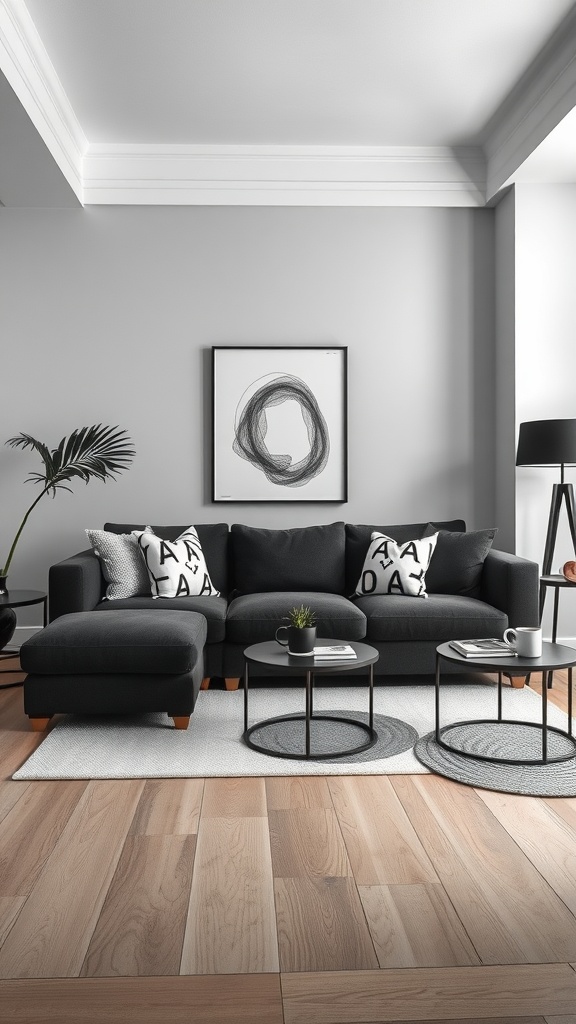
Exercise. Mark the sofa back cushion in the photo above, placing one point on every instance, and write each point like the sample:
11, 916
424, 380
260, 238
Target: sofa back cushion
310, 558
213, 538
358, 541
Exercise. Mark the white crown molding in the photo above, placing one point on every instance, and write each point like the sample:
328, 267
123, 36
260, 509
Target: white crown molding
28, 69
283, 175
538, 102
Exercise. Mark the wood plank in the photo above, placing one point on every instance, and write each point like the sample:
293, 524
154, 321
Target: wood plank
17, 745
240, 798
566, 1018
10, 907
454, 993
307, 843
52, 931
565, 808
531, 821
231, 927
416, 926
10, 793
168, 807
292, 792
321, 926
31, 830
510, 913
382, 844
236, 999
141, 928
482, 1020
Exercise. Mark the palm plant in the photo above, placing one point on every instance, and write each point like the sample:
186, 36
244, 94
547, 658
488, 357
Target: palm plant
97, 451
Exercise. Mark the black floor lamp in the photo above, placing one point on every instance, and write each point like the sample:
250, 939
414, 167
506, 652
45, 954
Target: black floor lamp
551, 443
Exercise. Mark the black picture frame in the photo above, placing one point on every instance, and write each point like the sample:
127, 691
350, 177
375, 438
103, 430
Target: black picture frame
293, 398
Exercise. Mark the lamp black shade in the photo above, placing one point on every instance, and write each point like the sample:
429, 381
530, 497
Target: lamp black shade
547, 443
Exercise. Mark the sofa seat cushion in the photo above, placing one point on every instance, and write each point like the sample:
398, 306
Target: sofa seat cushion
145, 642
442, 617
212, 608
253, 618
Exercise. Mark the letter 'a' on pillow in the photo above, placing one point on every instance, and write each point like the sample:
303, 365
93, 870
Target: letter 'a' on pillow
177, 568
392, 568
122, 564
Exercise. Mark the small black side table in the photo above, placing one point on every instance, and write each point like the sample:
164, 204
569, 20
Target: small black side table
558, 582
20, 599
275, 657
554, 656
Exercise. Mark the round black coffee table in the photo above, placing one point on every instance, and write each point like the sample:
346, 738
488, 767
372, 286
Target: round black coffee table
554, 656
20, 599
276, 658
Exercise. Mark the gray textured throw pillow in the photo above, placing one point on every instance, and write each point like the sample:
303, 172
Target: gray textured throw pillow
123, 565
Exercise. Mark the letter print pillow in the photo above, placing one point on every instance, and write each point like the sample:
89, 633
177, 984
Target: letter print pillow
391, 568
177, 568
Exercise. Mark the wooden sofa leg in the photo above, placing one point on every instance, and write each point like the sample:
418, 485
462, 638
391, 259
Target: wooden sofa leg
519, 681
205, 683
180, 721
232, 684
39, 724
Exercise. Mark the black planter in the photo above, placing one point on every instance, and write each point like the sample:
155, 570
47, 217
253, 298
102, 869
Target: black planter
7, 626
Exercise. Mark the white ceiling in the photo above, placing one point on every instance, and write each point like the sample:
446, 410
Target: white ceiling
135, 97
291, 72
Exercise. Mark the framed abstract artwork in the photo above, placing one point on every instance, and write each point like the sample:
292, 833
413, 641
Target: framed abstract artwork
280, 423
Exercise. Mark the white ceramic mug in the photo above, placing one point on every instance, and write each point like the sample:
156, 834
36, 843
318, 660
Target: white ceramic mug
525, 640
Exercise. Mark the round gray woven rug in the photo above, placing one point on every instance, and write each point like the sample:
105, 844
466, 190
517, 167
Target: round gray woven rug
394, 737
501, 739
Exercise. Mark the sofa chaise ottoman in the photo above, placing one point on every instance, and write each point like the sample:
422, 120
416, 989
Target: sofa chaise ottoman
130, 663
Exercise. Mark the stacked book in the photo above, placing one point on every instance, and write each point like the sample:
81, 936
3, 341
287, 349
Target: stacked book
337, 652
482, 648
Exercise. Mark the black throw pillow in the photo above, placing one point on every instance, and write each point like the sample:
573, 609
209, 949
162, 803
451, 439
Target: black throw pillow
457, 562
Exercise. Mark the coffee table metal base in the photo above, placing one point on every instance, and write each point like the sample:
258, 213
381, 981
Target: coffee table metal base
309, 756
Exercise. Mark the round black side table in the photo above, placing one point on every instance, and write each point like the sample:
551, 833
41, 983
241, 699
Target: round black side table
20, 599
558, 582
276, 658
554, 656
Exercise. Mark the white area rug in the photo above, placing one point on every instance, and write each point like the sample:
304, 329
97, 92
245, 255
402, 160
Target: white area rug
149, 747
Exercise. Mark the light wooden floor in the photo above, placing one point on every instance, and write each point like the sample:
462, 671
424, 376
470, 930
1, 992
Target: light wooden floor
281, 901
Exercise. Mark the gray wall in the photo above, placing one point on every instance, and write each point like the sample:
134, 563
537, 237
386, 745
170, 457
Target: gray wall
505, 385
545, 363
109, 315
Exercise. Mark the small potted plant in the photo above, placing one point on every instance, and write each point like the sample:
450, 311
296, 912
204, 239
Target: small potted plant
301, 633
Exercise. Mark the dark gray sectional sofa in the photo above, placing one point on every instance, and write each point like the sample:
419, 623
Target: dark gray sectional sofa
261, 574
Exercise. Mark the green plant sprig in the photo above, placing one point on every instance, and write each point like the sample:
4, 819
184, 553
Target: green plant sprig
97, 451
301, 617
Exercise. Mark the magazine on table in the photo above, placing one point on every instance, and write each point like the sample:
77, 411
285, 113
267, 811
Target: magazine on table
335, 652
483, 648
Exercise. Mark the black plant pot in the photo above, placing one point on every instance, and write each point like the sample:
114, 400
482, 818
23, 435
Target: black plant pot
7, 626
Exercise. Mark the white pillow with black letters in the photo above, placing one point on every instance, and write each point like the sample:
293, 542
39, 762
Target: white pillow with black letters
122, 564
391, 568
177, 568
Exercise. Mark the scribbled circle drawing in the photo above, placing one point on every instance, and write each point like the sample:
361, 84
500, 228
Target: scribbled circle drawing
251, 427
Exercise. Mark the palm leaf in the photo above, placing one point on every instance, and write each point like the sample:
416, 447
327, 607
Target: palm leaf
96, 451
